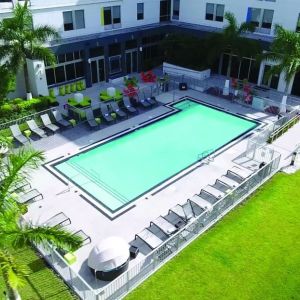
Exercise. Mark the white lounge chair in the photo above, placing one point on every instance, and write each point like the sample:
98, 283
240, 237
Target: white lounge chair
35, 128
29, 196
149, 238
164, 225
48, 124
17, 134
228, 182
59, 219
204, 204
213, 192
240, 173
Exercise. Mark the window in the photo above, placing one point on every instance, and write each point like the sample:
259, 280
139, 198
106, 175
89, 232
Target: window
298, 24
164, 10
140, 11
112, 17
69, 67
261, 18
215, 12
176, 8
68, 20
70, 16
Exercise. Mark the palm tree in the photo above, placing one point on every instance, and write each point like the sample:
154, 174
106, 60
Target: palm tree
20, 41
232, 41
15, 233
285, 52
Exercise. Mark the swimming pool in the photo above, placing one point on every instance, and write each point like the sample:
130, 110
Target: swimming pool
121, 170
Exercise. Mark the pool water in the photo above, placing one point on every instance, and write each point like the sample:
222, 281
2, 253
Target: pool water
119, 171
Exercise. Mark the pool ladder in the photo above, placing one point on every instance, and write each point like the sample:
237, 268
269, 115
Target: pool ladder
206, 156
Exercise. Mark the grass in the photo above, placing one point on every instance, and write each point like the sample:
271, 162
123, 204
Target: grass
42, 283
253, 253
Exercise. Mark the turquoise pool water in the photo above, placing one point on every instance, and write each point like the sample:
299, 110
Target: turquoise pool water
117, 172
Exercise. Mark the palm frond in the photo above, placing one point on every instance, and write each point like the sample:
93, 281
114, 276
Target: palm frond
13, 271
56, 236
44, 33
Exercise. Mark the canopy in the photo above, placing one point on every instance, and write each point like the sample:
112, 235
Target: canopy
109, 254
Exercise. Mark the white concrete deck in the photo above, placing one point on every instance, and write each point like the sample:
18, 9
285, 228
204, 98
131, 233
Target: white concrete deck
59, 198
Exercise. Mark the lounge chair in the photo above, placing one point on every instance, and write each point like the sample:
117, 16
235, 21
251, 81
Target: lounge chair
91, 119
17, 134
240, 173
85, 238
213, 192
29, 196
228, 182
19, 185
201, 202
128, 106
59, 118
35, 128
59, 219
149, 98
164, 225
48, 124
116, 109
149, 238
105, 113
142, 100
184, 212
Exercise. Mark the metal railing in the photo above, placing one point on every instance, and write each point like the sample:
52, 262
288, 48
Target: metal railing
138, 273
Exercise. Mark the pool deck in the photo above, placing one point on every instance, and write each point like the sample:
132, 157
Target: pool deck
61, 198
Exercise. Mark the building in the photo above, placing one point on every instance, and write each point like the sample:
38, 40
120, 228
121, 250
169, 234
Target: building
105, 39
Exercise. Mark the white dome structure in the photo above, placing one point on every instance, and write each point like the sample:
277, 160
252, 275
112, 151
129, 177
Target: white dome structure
109, 258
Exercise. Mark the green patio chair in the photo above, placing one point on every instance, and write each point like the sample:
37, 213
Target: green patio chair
68, 89
73, 87
104, 96
51, 93
62, 90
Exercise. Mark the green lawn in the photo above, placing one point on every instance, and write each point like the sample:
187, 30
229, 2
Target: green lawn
42, 282
253, 253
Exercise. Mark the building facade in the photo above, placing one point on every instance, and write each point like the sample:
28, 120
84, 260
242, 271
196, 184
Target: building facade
106, 39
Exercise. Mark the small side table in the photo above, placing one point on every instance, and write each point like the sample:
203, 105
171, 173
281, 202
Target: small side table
98, 121
113, 115
27, 133
134, 251
180, 224
73, 122
70, 258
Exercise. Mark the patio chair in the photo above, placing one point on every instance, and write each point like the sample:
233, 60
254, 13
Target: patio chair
240, 173
91, 118
184, 212
17, 134
59, 219
149, 238
59, 118
213, 192
85, 238
19, 185
128, 106
116, 109
48, 124
164, 225
105, 113
29, 196
142, 100
36, 129
228, 182
201, 202
149, 98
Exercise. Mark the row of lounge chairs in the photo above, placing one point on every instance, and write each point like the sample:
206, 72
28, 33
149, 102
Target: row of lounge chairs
33, 126
164, 226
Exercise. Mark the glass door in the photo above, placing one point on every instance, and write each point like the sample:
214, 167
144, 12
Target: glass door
270, 81
97, 70
131, 61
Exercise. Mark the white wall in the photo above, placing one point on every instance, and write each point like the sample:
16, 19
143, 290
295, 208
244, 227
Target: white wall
92, 12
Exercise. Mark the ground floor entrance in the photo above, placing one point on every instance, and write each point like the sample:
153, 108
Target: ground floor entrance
97, 69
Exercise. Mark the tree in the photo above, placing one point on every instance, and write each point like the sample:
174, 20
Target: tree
233, 41
21, 41
285, 53
15, 233
7, 82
